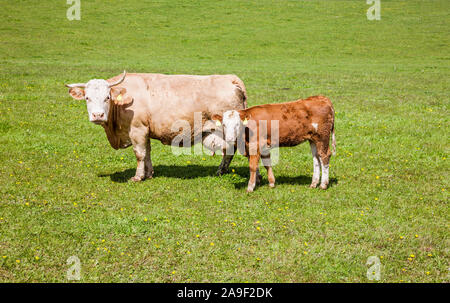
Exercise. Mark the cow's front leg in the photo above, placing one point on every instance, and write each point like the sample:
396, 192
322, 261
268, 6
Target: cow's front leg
139, 140
228, 154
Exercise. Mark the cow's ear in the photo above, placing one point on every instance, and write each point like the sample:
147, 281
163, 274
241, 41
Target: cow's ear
119, 96
77, 93
217, 118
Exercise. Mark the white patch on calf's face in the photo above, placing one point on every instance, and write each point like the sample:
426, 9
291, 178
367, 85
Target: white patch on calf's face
315, 125
97, 95
232, 125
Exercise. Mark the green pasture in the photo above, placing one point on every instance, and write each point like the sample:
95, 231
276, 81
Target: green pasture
65, 192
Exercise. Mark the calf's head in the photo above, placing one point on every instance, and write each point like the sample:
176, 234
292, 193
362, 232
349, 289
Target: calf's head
233, 122
99, 94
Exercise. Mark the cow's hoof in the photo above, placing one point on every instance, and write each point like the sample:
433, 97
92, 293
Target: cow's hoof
323, 186
271, 185
136, 179
313, 185
249, 190
149, 176
221, 172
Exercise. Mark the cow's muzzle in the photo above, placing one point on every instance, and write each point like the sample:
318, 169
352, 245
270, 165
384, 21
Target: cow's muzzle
98, 118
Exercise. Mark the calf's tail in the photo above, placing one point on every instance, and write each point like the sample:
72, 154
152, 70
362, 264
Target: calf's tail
333, 141
333, 137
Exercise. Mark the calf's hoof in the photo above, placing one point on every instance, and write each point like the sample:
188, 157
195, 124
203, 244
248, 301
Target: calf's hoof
313, 185
271, 185
323, 186
149, 175
250, 188
136, 179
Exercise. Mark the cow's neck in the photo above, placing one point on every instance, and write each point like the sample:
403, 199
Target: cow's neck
111, 126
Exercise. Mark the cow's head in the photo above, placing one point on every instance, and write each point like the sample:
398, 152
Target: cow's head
233, 122
99, 94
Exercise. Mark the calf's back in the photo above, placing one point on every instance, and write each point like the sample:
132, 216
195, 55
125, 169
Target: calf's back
301, 120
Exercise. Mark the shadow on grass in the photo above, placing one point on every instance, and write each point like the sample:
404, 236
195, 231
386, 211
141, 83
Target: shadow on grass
199, 171
174, 171
298, 180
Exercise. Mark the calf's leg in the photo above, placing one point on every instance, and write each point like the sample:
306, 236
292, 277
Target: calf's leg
258, 174
253, 164
268, 165
324, 152
316, 162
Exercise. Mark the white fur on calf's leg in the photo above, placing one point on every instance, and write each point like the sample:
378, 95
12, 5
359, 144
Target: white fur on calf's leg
325, 174
250, 187
316, 163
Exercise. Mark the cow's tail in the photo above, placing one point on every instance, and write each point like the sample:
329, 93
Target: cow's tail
241, 87
333, 136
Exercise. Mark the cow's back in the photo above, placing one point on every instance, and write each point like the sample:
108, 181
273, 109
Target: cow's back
161, 100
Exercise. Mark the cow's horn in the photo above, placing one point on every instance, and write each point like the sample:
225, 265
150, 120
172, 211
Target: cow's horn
82, 85
120, 81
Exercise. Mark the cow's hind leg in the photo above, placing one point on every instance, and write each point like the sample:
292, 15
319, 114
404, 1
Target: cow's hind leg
316, 162
148, 160
224, 165
228, 154
324, 152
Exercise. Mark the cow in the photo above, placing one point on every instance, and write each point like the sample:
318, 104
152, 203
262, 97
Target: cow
311, 119
136, 107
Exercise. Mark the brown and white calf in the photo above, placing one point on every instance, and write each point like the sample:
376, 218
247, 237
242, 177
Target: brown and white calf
267, 126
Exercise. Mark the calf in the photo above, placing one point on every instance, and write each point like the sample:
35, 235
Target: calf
311, 119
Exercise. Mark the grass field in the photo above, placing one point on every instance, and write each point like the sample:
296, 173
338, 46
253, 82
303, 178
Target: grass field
65, 192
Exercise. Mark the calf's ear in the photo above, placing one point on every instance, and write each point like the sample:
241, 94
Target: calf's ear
77, 93
243, 116
119, 96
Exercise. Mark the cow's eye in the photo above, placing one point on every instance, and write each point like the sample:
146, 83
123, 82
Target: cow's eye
87, 99
107, 98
